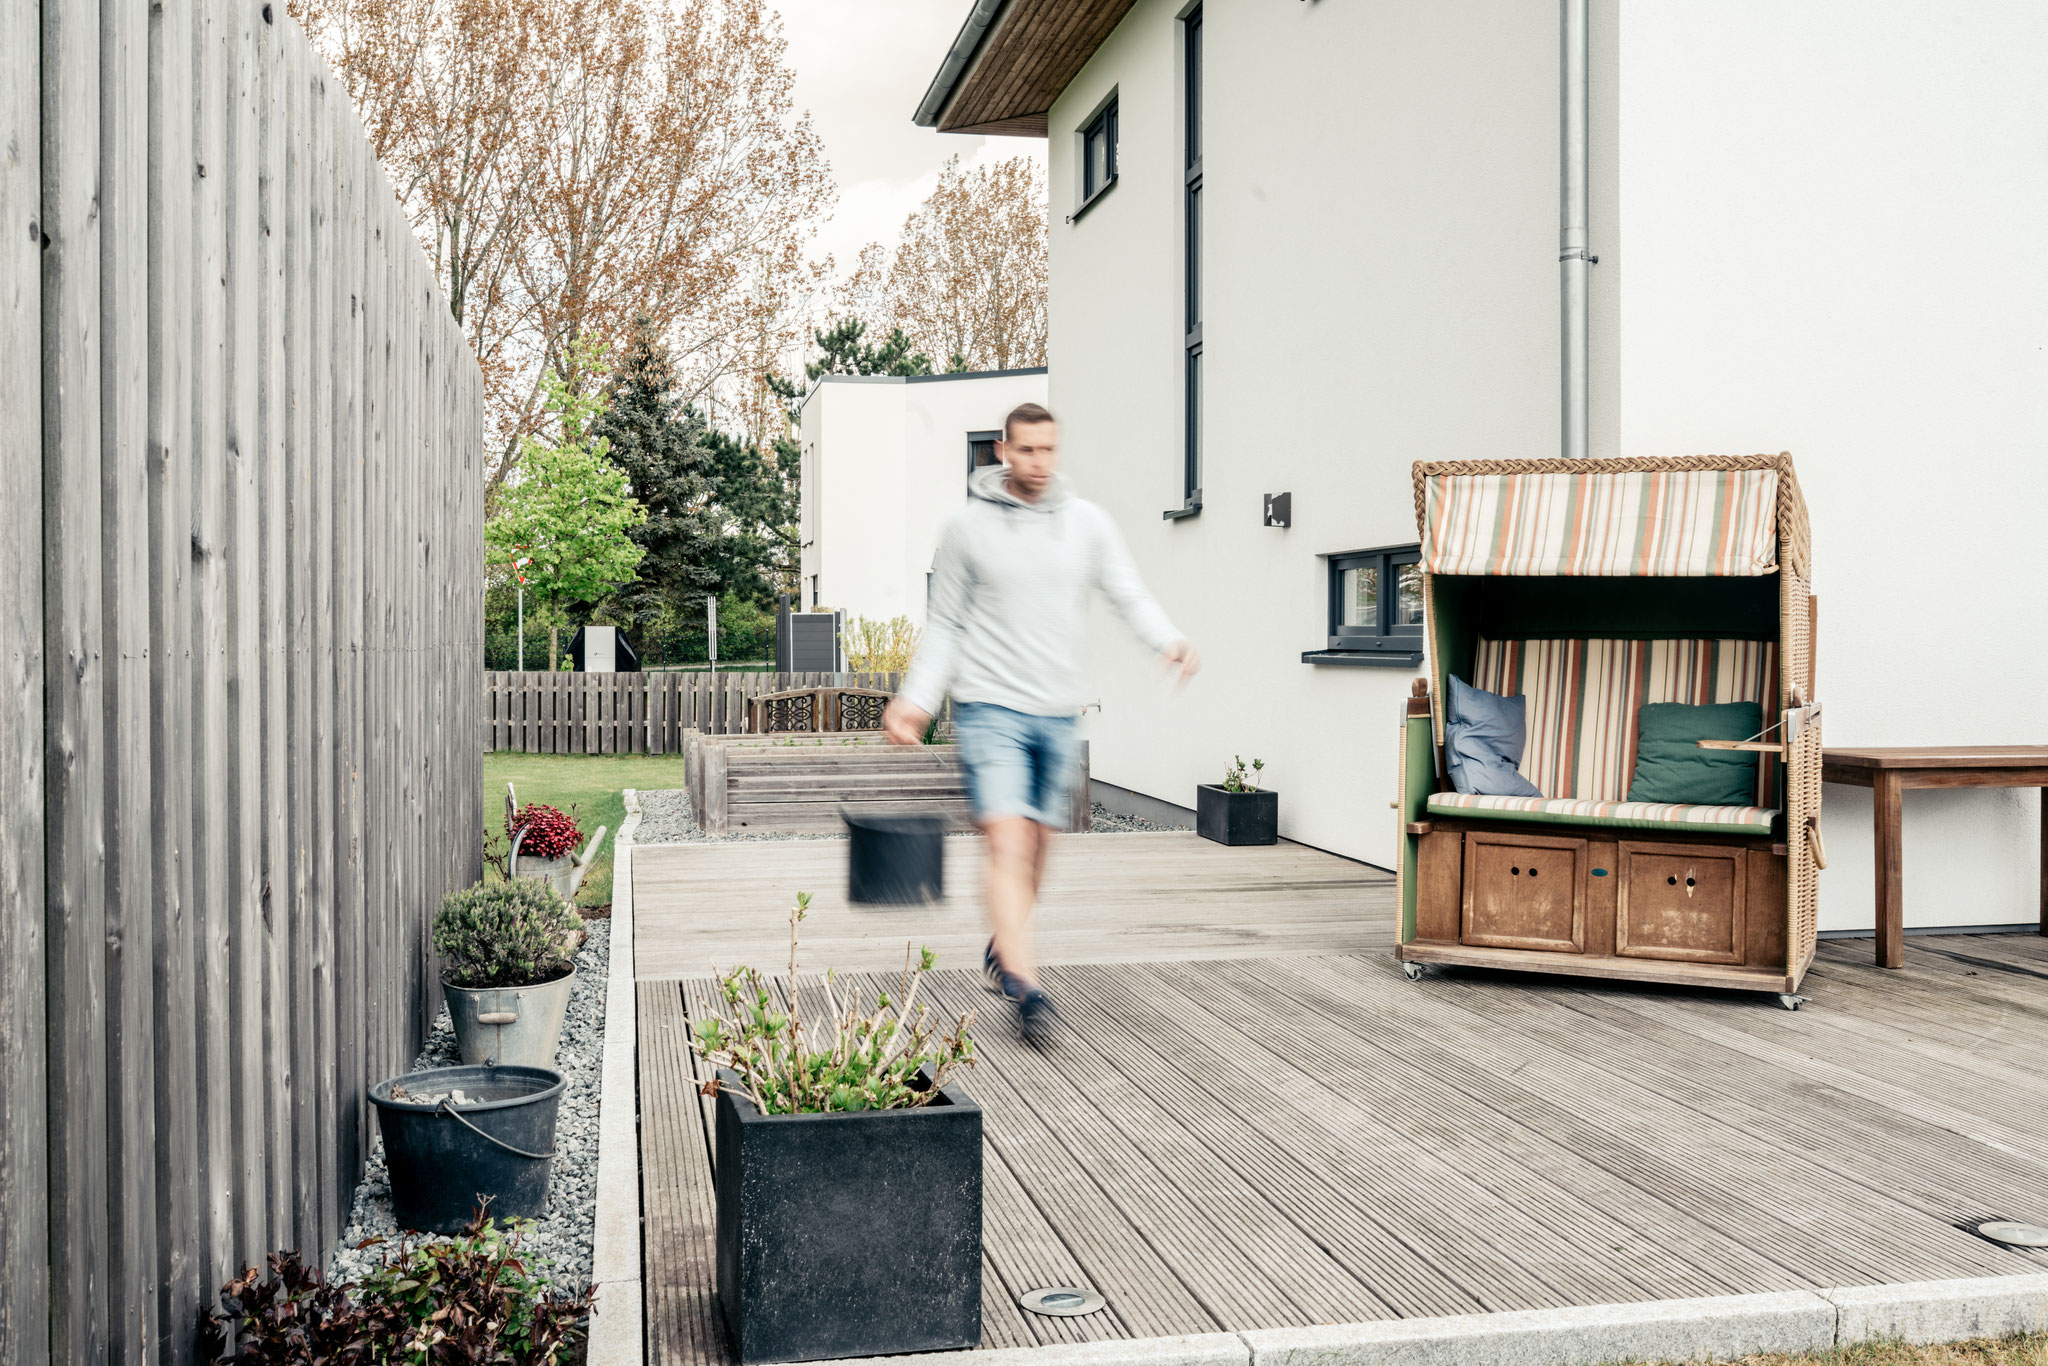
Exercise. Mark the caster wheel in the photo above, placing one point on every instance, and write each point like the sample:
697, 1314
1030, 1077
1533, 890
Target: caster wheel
1790, 1002
1414, 971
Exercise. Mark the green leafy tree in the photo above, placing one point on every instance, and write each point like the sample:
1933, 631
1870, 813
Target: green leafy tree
571, 511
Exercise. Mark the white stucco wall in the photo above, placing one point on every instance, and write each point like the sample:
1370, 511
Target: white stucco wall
1837, 224
885, 464
1381, 286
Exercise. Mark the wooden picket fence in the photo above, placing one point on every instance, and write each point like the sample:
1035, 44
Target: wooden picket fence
633, 713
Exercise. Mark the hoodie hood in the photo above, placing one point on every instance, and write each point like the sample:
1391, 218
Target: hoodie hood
990, 483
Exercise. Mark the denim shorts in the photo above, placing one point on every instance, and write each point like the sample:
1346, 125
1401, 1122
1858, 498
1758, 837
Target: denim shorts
1017, 764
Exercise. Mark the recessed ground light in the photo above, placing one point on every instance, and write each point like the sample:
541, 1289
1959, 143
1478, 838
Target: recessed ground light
1063, 1301
2014, 1235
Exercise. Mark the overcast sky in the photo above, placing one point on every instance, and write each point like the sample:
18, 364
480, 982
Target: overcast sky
861, 67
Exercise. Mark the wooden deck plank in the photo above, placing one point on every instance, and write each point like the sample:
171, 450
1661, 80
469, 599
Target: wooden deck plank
680, 1283
1108, 898
1772, 1199
1267, 1274
1519, 1181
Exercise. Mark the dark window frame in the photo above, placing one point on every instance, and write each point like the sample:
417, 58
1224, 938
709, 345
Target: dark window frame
1191, 253
1384, 641
1103, 124
977, 438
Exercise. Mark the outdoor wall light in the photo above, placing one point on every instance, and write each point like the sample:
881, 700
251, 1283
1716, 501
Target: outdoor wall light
1279, 509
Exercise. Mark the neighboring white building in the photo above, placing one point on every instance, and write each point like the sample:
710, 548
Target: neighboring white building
1818, 229
885, 463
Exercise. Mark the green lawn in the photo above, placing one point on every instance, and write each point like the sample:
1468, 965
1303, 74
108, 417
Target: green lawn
591, 784
2029, 1350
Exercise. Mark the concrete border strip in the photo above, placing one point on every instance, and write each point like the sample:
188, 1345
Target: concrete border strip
617, 1337
1717, 1328
1942, 1311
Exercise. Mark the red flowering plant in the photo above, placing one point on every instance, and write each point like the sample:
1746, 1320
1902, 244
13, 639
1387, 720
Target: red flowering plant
550, 832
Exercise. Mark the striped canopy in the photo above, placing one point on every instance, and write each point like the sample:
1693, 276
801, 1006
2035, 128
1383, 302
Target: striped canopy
1672, 523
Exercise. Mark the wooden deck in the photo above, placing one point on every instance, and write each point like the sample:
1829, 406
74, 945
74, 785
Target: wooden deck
1278, 1128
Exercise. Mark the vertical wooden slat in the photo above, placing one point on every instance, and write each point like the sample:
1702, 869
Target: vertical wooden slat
273, 630
179, 1235
24, 1136
123, 741
212, 892
74, 788
244, 797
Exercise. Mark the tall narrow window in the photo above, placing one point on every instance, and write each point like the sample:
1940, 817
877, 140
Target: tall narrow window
1191, 46
1098, 154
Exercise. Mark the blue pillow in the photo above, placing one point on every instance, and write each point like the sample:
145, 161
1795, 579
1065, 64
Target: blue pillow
1483, 738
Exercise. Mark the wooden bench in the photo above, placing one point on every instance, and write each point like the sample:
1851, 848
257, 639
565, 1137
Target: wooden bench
812, 711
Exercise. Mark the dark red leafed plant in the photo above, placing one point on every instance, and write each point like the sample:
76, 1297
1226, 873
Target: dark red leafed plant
550, 832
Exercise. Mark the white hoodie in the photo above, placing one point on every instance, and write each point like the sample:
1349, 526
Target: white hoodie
1008, 590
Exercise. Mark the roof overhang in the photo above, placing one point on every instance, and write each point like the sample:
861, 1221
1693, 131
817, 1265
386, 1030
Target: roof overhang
1010, 61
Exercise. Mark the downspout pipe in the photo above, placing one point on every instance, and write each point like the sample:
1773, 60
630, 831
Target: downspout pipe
937, 95
1574, 262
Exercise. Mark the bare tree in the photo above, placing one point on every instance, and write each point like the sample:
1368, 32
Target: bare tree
571, 164
967, 280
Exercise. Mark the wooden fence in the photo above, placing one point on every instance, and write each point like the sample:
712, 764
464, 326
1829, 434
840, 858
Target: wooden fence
240, 550
632, 713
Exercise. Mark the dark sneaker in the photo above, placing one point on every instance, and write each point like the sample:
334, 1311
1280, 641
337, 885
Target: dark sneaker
1036, 1016
991, 970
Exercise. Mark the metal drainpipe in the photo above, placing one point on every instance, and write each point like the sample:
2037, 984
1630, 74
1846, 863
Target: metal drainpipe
1573, 260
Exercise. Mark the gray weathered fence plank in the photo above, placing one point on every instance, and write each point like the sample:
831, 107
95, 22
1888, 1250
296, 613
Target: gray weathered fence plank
24, 1138
175, 1024
125, 660
74, 786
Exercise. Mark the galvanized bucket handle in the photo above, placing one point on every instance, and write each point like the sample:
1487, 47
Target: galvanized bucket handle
445, 1108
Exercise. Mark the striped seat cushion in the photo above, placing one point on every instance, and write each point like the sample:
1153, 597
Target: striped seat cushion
1637, 815
1583, 697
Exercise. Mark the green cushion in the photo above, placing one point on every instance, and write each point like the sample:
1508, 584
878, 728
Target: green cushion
1670, 767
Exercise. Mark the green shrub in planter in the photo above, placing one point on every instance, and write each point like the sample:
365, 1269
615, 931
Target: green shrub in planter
504, 934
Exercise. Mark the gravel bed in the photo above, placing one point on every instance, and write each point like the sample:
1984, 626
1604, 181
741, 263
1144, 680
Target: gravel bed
563, 1237
1107, 822
665, 819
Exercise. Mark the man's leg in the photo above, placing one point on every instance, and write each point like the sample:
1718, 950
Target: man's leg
1016, 858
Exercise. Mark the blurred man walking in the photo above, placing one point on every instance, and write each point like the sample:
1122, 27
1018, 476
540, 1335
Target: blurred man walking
1008, 591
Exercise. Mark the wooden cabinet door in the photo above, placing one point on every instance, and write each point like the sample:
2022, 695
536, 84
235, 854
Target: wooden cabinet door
1681, 901
1525, 892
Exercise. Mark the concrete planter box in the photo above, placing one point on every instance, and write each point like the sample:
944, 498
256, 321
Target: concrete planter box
1237, 817
848, 1235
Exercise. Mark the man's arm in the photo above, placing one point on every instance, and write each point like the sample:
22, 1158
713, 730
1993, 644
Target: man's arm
938, 650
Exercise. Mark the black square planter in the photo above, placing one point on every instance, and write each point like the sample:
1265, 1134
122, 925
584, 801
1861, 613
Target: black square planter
848, 1235
1237, 817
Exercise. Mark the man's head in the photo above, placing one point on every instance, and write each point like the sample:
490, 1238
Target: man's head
1031, 448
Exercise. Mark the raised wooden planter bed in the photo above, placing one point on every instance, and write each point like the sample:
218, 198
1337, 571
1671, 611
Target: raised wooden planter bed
796, 784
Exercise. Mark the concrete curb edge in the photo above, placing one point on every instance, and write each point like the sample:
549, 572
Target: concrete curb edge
1717, 1328
616, 1332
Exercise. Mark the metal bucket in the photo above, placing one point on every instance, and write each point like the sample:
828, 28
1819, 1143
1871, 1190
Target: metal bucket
445, 1157
558, 873
509, 1026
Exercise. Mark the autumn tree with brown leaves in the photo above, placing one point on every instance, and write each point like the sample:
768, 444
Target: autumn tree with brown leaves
967, 280
570, 165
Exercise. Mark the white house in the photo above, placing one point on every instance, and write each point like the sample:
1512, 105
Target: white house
885, 463
1298, 244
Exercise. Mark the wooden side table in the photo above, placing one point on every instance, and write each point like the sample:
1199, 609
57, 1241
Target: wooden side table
1887, 772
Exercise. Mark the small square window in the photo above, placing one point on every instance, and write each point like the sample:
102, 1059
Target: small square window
1375, 607
1098, 154
981, 451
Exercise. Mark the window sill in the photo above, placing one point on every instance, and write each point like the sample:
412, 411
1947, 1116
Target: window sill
1193, 507
1365, 659
1092, 200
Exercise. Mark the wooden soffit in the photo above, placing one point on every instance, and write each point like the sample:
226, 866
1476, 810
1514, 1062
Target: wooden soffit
1028, 56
